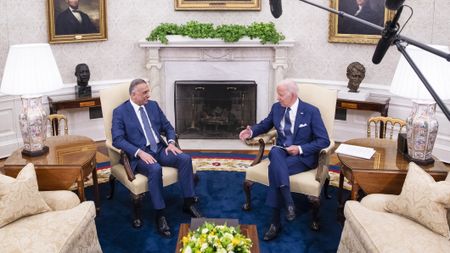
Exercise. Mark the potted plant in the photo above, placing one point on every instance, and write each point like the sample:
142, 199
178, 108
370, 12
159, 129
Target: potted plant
265, 32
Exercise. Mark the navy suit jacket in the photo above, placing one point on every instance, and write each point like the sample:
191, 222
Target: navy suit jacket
127, 133
309, 131
66, 23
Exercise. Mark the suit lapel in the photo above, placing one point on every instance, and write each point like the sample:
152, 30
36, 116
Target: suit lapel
133, 117
151, 116
298, 117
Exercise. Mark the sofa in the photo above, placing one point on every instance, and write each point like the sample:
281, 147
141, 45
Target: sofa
57, 223
377, 225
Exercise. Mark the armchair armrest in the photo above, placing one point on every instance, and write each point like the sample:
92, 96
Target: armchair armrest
268, 137
124, 160
262, 140
324, 158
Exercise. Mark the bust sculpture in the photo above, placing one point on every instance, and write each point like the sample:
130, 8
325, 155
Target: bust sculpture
355, 74
83, 74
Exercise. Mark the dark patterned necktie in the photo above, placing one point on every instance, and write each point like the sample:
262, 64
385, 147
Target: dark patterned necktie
148, 130
287, 128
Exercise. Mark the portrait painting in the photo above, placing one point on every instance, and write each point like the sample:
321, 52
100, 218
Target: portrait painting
76, 20
248, 5
346, 30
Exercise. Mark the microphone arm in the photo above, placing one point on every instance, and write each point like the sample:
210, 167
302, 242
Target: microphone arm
422, 78
398, 39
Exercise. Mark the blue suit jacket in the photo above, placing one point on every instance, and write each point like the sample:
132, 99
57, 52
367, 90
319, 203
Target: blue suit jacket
127, 133
309, 131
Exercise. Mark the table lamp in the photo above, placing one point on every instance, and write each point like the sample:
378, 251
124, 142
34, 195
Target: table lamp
30, 71
422, 125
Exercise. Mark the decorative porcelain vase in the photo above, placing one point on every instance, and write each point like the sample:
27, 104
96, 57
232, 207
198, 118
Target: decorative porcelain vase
33, 125
421, 129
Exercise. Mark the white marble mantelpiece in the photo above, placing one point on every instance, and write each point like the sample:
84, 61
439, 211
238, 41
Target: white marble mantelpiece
212, 59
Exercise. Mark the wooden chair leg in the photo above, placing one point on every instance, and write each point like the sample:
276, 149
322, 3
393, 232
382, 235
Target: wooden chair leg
325, 190
137, 204
247, 185
315, 202
112, 185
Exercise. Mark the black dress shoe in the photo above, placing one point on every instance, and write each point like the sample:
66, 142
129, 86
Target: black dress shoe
290, 213
163, 227
273, 231
192, 210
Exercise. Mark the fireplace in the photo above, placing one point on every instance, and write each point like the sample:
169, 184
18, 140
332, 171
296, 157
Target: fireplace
209, 109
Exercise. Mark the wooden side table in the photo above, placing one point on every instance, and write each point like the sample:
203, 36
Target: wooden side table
70, 159
372, 103
385, 172
246, 229
72, 102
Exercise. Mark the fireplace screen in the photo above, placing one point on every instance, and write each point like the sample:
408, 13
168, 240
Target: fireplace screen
214, 109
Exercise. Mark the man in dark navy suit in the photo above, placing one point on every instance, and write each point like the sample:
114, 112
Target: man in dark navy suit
136, 128
301, 135
362, 9
73, 21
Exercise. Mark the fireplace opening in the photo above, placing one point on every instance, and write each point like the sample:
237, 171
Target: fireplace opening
214, 109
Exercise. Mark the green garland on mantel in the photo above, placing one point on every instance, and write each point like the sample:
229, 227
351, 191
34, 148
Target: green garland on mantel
265, 32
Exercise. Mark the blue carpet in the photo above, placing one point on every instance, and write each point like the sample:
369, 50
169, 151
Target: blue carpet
221, 196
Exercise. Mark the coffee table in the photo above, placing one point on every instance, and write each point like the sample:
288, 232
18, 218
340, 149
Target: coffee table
246, 229
385, 172
70, 159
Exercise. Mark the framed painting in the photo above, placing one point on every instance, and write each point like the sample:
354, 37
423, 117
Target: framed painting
248, 5
76, 21
345, 30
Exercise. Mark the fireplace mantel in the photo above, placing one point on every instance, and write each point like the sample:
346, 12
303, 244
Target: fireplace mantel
213, 59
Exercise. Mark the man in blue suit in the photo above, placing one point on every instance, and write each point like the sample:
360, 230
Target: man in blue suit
136, 128
301, 136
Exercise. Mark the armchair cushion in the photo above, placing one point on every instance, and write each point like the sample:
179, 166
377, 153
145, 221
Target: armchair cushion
20, 196
423, 200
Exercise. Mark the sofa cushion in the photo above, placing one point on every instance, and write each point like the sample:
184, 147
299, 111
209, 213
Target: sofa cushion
423, 200
20, 196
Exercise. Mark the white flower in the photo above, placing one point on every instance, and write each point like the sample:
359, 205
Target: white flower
187, 250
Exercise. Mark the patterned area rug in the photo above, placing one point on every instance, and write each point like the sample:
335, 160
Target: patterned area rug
208, 162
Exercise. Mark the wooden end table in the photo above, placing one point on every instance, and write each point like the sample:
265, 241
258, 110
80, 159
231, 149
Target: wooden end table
246, 229
385, 172
70, 159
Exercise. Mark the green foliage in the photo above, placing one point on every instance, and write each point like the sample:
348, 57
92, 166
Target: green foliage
266, 32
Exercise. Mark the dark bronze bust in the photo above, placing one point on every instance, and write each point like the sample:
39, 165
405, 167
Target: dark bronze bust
83, 74
355, 74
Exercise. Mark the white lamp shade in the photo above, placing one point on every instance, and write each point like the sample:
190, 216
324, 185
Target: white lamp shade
436, 70
30, 69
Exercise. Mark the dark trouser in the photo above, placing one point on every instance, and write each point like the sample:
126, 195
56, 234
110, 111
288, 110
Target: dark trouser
153, 172
281, 166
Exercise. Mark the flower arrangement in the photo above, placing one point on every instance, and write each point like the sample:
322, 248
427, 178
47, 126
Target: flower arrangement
210, 238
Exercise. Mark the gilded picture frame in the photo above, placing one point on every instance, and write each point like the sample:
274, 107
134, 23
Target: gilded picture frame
71, 21
345, 30
218, 5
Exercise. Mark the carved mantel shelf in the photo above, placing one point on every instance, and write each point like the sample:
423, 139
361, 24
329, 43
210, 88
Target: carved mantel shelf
181, 41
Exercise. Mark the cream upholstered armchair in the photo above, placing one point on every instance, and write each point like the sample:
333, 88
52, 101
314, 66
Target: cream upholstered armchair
46, 221
120, 168
310, 182
414, 221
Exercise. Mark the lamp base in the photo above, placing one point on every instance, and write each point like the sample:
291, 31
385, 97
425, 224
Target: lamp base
418, 161
44, 150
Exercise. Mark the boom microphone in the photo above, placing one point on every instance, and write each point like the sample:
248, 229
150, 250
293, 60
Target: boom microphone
275, 8
394, 4
387, 37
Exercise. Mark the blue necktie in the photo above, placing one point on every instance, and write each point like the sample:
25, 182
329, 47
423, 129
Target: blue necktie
287, 128
148, 130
